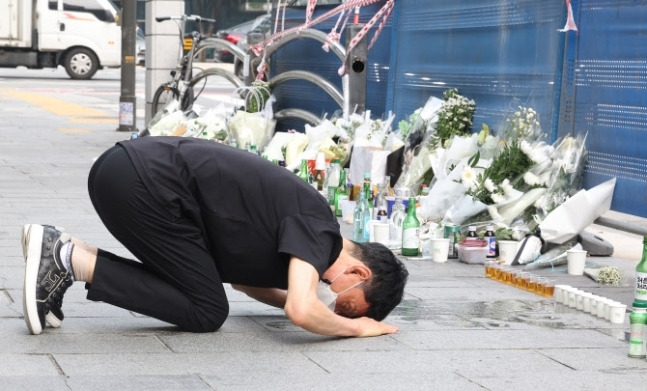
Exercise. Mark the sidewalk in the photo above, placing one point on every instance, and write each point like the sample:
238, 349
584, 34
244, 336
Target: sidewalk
458, 329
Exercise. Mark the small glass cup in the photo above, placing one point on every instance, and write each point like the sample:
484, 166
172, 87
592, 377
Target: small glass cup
549, 288
489, 268
532, 283
540, 283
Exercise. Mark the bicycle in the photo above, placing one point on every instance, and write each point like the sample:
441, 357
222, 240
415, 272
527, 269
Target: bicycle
183, 86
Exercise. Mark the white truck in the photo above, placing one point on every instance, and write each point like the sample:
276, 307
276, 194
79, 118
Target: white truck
81, 35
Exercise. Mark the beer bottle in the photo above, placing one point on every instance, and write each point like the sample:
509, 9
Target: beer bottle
640, 297
320, 174
410, 228
341, 193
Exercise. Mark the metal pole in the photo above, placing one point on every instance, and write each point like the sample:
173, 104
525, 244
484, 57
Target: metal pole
356, 70
127, 99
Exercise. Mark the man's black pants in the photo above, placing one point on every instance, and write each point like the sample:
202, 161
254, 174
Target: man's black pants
177, 280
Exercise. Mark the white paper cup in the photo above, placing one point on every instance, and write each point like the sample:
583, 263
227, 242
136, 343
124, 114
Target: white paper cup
439, 249
566, 294
559, 291
379, 232
576, 260
579, 300
586, 302
507, 250
595, 299
617, 312
347, 209
572, 298
603, 308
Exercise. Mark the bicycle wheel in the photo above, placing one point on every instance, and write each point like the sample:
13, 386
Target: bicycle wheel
213, 86
162, 96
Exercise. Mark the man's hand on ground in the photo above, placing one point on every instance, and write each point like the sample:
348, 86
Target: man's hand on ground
372, 328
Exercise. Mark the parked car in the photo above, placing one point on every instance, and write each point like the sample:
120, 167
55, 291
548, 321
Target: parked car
238, 35
140, 47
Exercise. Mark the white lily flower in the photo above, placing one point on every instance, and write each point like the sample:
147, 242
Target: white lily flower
531, 179
489, 185
497, 198
544, 178
526, 148
507, 187
494, 213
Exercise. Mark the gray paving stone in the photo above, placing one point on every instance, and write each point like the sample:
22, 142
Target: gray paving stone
605, 359
36, 365
505, 339
138, 383
34, 381
300, 341
431, 380
562, 381
232, 366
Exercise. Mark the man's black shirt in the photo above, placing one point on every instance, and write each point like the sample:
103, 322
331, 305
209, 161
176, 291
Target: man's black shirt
253, 214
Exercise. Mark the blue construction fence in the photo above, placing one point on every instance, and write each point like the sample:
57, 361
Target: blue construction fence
504, 54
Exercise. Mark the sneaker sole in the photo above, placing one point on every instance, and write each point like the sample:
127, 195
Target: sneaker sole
50, 318
33, 251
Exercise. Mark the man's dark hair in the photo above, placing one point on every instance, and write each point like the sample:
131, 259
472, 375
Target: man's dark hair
385, 288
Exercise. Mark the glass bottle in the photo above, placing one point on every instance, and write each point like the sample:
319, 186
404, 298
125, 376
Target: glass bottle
389, 190
332, 181
341, 193
349, 185
471, 233
368, 189
361, 217
640, 297
398, 214
303, 173
381, 204
490, 238
638, 322
410, 228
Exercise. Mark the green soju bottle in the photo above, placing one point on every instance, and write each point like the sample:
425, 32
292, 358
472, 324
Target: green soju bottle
410, 228
341, 192
332, 181
303, 174
640, 297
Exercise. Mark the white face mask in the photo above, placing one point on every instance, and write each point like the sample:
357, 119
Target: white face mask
326, 295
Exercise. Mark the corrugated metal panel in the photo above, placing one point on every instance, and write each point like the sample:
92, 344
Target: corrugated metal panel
610, 83
500, 53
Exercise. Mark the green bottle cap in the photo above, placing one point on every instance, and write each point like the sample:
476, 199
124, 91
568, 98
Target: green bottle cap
367, 175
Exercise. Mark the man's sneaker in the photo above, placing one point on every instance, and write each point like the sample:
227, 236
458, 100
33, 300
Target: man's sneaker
55, 316
46, 278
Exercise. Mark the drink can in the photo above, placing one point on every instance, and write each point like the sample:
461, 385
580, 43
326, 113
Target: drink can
453, 232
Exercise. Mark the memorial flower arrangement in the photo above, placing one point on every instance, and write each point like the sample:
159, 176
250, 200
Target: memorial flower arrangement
512, 180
